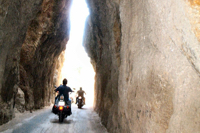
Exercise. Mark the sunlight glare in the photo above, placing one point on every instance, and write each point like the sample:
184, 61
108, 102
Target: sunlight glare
77, 67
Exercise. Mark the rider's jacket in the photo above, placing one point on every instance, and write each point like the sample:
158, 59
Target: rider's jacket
81, 93
63, 89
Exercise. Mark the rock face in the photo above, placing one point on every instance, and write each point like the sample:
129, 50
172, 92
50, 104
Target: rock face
20, 100
146, 55
46, 38
33, 33
147, 62
14, 20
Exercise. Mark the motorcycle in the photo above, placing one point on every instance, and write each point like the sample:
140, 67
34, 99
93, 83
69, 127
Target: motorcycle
61, 108
80, 102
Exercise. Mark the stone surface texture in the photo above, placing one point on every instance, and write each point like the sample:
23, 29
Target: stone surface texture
33, 34
20, 100
146, 54
147, 59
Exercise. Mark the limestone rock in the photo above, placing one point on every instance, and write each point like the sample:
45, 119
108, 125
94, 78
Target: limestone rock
146, 57
20, 101
145, 54
14, 20
33, 33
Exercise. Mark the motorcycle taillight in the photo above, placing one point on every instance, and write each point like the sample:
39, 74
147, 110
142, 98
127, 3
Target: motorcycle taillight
60, 107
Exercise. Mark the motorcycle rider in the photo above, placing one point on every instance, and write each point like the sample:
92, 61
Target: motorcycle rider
80, 93
64, 90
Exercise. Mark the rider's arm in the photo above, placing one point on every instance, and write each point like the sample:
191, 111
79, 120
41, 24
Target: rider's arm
57, 89
70, 90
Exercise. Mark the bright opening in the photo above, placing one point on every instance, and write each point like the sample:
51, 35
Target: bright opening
77, 67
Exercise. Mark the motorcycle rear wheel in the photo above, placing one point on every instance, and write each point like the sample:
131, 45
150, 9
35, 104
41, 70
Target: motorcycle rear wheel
79, 106
60, 117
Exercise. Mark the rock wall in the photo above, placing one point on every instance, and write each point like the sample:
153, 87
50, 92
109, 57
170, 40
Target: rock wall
46, 38
33, 33
146, 57
145, 54
103, 43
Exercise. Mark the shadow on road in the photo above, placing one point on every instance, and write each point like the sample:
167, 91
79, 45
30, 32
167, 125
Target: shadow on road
65, 121
82, 108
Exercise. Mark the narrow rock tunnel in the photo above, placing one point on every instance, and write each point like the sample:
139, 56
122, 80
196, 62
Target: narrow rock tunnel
146, 56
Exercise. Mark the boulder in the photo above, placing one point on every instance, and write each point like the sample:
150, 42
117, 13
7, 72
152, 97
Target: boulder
20, 100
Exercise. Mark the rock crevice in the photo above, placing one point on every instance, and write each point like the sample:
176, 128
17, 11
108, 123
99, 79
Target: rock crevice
145, 55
